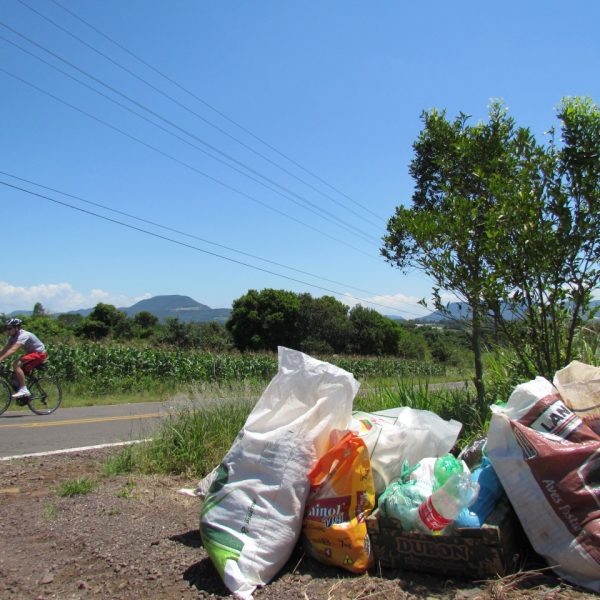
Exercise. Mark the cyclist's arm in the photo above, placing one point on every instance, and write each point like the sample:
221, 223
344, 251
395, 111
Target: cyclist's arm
9, 350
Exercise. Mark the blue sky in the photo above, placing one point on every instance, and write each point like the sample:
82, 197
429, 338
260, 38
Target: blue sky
337, 86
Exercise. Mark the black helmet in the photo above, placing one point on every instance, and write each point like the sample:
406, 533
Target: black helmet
13, 323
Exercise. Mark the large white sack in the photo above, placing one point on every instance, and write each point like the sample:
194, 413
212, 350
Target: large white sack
252, 516
548, 461
403, 433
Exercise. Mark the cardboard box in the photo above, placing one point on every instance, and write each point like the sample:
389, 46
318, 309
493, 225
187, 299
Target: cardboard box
476, 553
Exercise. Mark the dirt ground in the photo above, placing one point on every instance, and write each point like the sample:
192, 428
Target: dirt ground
136, 538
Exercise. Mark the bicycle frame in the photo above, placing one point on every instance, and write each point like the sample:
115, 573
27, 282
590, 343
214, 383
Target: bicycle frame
41, 386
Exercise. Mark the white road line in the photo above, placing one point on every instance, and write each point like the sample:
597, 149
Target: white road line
69, 450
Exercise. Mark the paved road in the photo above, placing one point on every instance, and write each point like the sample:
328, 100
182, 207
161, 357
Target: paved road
25, 433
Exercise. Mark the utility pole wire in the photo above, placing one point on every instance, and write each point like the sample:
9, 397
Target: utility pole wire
181, 162
208, 122
190, 246
190, 235
315, 209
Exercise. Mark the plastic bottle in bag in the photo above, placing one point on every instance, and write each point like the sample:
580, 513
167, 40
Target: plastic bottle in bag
446, 466
440, 509
490, 492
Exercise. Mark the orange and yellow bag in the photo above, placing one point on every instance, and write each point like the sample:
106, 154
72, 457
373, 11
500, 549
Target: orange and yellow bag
342, 496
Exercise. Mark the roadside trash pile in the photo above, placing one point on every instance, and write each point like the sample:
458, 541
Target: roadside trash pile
360, 489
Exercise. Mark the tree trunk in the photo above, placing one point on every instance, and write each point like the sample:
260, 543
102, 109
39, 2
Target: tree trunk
476, 345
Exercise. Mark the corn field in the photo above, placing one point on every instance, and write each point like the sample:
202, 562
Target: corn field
104, 367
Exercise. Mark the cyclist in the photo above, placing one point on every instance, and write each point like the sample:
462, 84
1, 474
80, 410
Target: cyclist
35, 353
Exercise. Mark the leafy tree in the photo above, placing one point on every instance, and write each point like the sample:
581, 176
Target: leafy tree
504, 222
412, 345
263, 320
69, 320
456, 169
554, 239
102, 321
107, 314
145, 320
372, 333
323, 325
213, 336
143, 324
175, 333
46, 327
92, 329
38, 310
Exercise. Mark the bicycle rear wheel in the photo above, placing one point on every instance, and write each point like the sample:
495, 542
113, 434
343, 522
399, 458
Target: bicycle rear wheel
46, 395
5, 395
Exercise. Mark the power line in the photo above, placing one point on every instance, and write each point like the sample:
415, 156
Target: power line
311, 206
224, 132
190, 246
181, 162
190, 235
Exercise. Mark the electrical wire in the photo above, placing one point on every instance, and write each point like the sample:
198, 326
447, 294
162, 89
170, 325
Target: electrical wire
308, 205
210, 123
173, 230
192, 247
218, 112
183, 163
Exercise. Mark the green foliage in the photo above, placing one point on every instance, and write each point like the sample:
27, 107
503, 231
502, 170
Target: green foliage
191, 442
38, 310
76, 487
194, 441
507, 223
586, 343
372, 333
46, 328
264, 320
103, 368
323, 325
122, 462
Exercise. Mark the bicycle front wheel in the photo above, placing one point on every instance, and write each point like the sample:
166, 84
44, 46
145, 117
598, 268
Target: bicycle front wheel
5, 395
46, 395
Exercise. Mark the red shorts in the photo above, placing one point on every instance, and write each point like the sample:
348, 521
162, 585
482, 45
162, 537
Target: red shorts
31, 361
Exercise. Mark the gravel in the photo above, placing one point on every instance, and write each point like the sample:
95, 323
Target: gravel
135, 537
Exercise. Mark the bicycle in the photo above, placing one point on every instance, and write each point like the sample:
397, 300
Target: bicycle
45, 396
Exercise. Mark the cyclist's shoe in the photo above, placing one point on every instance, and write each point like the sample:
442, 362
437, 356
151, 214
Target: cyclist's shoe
21, 393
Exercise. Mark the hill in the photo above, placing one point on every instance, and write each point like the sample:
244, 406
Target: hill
183, 308
460, 310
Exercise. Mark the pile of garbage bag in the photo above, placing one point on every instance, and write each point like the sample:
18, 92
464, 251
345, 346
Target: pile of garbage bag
305, 467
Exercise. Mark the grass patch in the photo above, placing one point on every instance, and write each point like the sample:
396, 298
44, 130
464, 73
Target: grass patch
190, 442
119, 463
79, 394
194, 440
50, 511
76, 487
127, 490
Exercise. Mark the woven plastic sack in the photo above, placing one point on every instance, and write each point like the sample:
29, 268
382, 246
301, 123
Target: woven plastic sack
252, 516
548, 461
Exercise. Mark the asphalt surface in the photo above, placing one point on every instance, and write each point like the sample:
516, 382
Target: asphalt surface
23, 433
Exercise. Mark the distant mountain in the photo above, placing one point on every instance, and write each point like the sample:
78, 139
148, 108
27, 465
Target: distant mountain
456, 310
183, 308
460, 310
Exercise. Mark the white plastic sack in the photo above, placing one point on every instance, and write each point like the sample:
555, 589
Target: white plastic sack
548, 462
252, 516
398, 434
